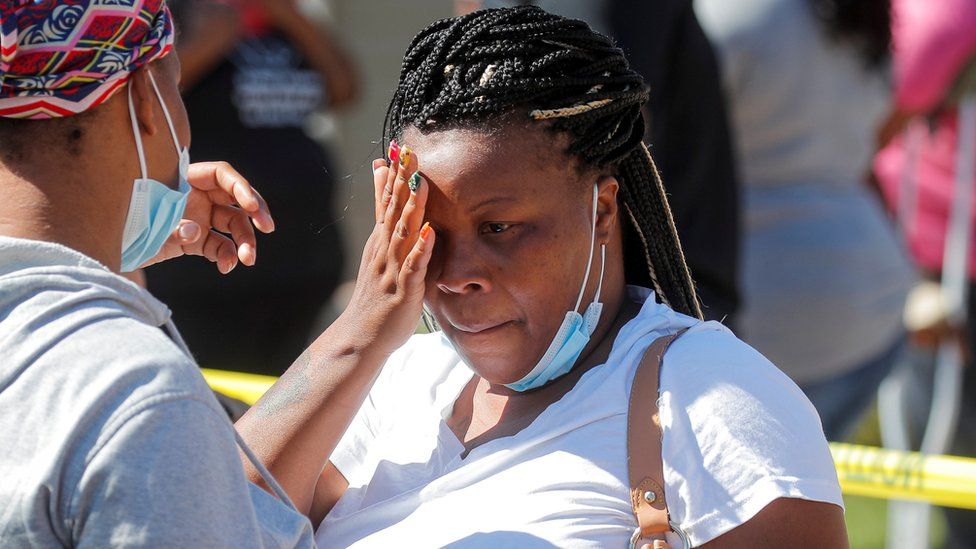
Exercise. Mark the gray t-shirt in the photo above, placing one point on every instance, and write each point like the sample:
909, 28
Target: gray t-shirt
824, 277
109, 435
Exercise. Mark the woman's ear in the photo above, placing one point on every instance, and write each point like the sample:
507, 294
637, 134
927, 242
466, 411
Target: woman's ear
144, 100
606, 208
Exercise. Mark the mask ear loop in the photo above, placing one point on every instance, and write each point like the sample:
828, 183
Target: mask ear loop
603, 264
589, 262
169, 119
136, 133
429, 321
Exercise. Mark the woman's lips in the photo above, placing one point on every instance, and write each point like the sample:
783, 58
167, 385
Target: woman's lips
479, 329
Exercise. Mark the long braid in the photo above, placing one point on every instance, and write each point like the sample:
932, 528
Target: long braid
464, 71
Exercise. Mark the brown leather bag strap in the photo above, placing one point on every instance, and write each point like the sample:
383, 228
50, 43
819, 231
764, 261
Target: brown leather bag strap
644, 462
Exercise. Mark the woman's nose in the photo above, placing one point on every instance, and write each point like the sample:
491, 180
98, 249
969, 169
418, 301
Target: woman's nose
460, 270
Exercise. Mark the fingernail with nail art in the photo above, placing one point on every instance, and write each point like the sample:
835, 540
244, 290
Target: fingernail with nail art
394, 152
425, 230
414, 182
405, 153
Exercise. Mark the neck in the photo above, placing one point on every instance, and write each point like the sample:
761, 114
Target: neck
69, 205
621, 310
485, 411
617, 311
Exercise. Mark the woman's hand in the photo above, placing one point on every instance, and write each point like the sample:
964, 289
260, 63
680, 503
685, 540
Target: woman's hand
389, 295
221, 203
296, 425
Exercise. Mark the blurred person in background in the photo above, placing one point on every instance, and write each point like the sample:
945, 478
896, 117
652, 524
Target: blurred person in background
934, 60
687, 129
823, 276
253, 73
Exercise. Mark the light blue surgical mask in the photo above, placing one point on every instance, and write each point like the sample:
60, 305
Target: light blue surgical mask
575, 331
155, 209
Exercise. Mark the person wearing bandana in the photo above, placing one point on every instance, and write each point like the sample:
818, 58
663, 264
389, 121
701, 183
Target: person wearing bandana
108, 432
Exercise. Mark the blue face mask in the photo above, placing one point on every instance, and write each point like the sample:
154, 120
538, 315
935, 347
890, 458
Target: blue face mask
155, 209
575, 331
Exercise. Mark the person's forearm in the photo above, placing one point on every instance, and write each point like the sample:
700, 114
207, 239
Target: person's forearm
197, 60
325, 56
209, 34
297, 424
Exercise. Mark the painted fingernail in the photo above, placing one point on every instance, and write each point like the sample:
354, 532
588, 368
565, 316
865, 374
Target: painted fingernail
394, 152
405, 153
425, 230
414, 182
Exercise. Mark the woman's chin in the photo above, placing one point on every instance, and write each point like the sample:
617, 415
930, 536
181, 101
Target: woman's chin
497, 360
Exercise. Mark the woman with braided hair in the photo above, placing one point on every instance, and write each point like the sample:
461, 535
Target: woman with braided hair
519, 208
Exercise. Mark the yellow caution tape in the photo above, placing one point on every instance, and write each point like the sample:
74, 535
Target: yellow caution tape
892, 474
863, 470
245, 387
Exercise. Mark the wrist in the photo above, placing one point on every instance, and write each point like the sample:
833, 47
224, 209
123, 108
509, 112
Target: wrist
355, 336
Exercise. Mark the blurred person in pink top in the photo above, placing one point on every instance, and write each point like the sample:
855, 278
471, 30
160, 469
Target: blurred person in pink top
934, 51
934, 42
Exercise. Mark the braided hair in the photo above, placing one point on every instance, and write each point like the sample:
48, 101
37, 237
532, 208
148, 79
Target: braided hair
484, 66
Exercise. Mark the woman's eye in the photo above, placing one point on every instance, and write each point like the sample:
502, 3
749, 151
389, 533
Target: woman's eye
496, 228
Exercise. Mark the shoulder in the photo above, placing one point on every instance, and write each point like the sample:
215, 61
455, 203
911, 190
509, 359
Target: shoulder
710, 379
176, 450
125, 350
710, 361
98, 374
119, 393
113, 370
72, 324
738, 434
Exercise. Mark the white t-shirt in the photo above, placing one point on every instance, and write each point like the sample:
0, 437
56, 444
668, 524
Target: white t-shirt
737, 435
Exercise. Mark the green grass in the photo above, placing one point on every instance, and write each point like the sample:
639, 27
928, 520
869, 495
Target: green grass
867, 521
867, 518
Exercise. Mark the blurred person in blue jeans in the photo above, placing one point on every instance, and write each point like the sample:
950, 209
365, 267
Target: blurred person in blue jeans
824, 277
253, 73
934, 64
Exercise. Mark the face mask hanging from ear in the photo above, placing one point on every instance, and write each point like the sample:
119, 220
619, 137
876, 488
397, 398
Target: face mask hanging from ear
575, 331
155, 209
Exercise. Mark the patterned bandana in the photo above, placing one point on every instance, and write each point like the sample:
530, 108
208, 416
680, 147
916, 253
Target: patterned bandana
64, 57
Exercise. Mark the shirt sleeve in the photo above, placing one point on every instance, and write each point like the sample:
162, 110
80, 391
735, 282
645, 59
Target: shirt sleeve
169, 475
738, 434
350, 455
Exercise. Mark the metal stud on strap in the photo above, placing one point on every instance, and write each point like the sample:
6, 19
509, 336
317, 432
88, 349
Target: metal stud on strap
650, 496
